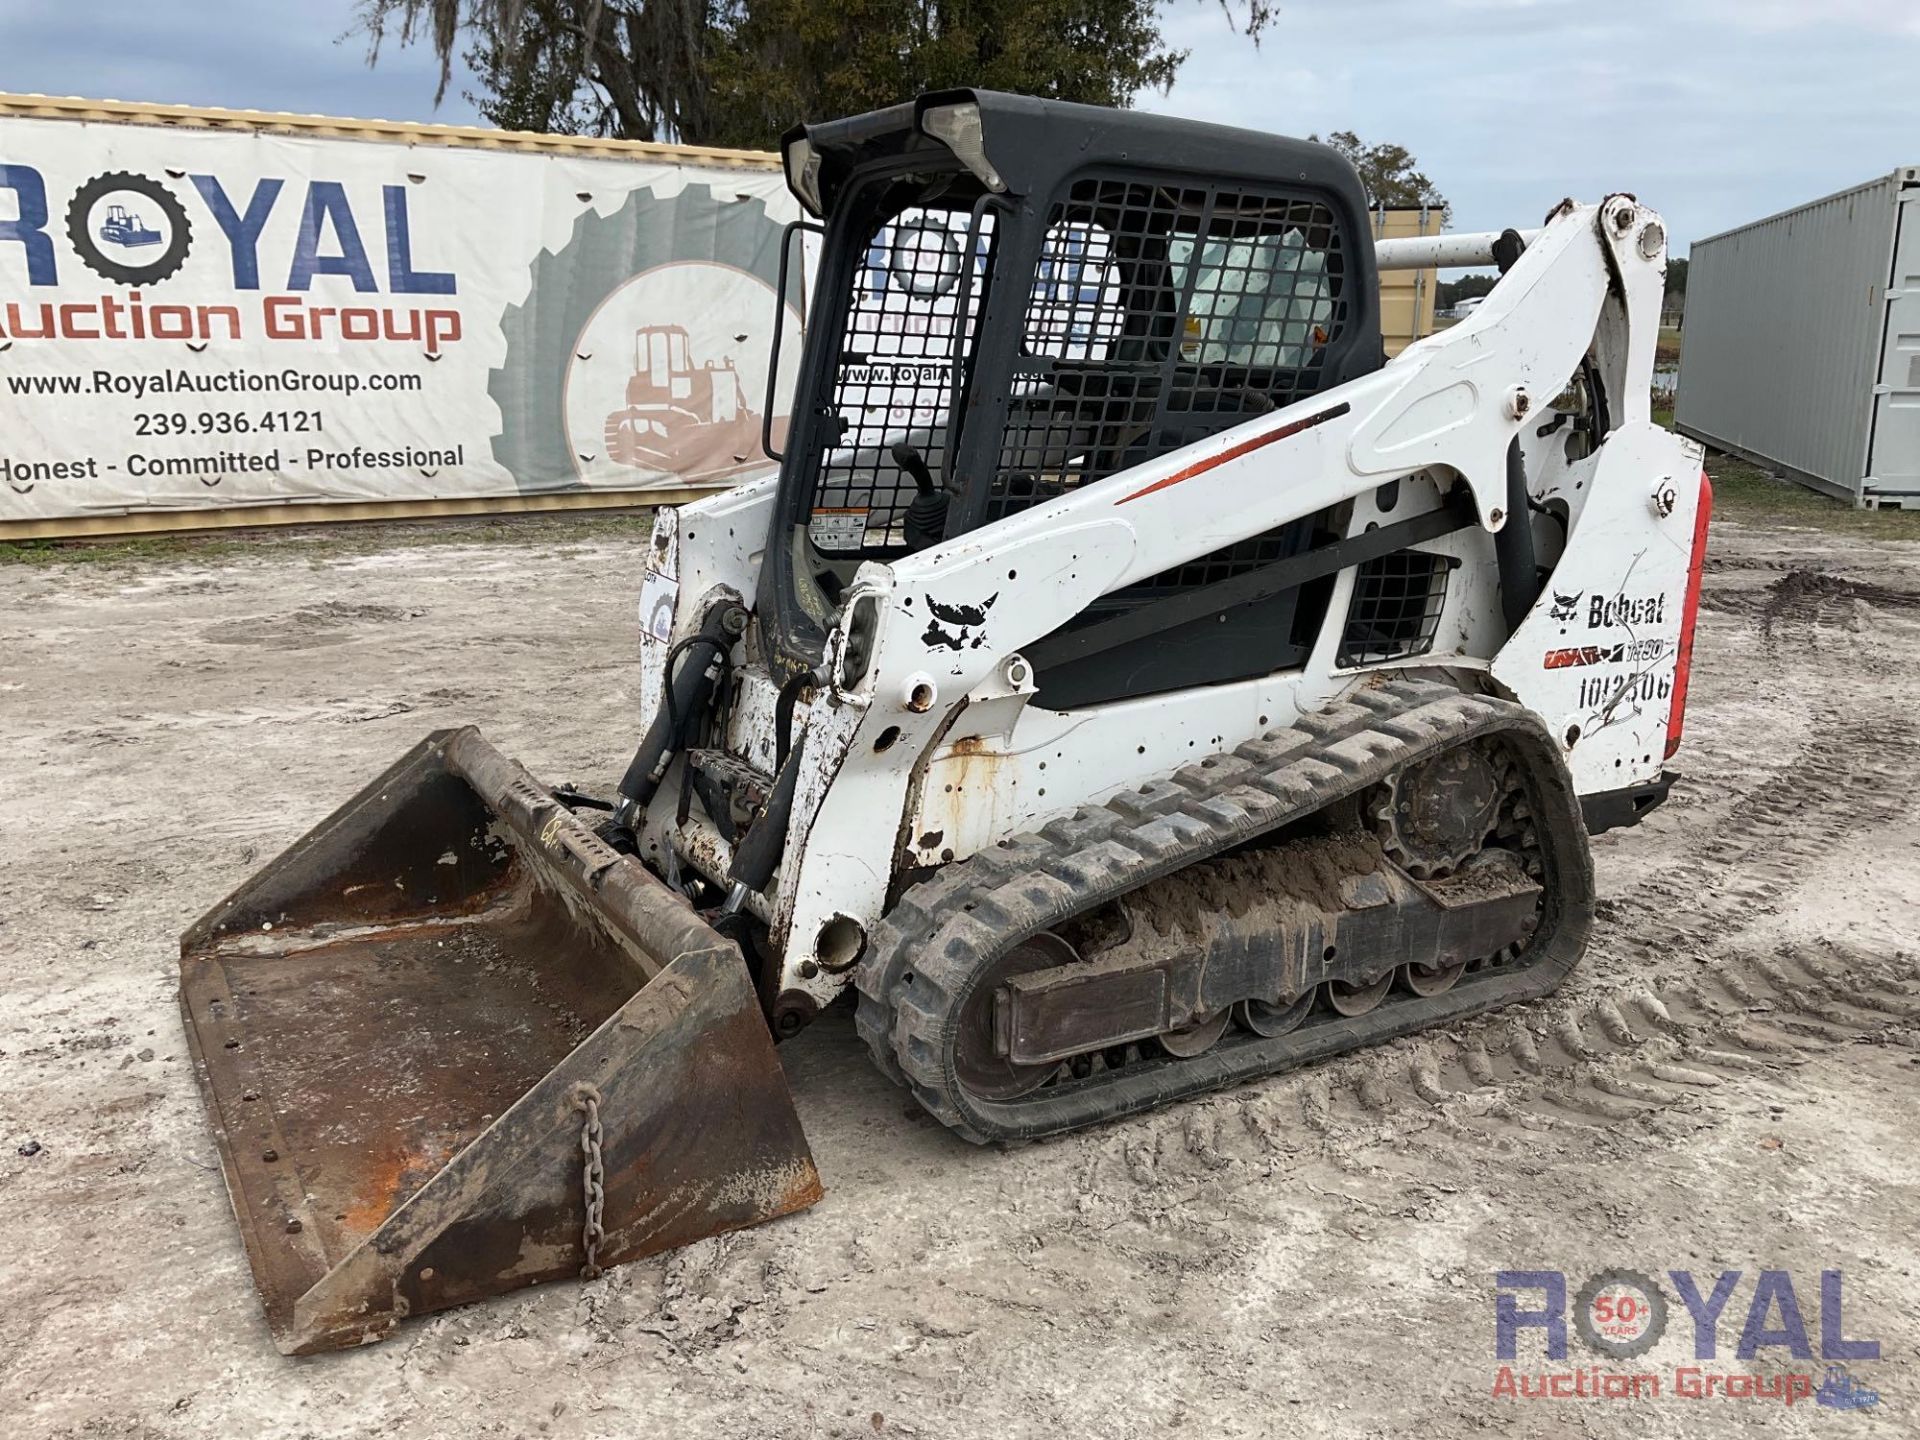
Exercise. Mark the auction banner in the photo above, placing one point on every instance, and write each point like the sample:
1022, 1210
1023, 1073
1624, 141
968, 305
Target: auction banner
202, 319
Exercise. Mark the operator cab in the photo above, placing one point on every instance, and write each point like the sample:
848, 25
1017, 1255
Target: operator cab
1017, 297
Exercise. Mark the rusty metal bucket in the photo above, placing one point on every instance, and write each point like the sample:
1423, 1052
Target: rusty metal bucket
405, 1026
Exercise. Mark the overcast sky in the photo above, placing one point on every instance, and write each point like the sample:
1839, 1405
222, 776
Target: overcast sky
1715, 111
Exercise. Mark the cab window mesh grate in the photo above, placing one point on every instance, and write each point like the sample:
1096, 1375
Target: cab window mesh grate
1161, 315
1155, 316
893, 376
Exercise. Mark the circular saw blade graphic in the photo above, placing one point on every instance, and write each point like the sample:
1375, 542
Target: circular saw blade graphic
569, 287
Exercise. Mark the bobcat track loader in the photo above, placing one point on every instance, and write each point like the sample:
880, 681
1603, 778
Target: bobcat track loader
1129, 685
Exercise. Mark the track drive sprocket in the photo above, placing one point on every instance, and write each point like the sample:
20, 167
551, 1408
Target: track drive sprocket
1431, 818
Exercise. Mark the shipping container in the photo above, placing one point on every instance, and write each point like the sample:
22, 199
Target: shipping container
1801, 350
1406, 296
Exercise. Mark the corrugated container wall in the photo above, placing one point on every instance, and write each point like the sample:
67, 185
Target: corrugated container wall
1406, 296
1802, 342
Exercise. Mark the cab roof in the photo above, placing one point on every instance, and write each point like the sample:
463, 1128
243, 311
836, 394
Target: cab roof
1029, 146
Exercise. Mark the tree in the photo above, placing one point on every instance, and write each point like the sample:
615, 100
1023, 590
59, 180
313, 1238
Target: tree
740, 72
1449, 293
1673, 305
1388, 173
532, 80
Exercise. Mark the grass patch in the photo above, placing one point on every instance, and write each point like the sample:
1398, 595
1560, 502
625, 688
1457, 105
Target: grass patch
134, 550
1752, 495
1749, 494
322, 542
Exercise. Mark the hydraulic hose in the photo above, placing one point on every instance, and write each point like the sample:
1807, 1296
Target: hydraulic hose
1513, 545
758, 854
684, 695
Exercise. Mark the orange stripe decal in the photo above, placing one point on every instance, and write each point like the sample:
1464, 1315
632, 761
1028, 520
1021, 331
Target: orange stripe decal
1234, 452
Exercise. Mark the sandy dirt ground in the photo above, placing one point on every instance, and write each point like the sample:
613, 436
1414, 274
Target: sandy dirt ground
1727, 1083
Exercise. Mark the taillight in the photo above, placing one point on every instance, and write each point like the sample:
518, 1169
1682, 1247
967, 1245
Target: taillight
1689, 613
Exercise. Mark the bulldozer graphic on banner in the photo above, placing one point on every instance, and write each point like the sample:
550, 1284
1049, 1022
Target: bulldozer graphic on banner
123, 227
683, 418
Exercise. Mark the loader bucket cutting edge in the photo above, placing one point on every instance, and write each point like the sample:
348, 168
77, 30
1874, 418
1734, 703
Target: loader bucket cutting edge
397, 1025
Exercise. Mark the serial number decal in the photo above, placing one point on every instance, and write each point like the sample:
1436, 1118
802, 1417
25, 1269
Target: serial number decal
1608, 692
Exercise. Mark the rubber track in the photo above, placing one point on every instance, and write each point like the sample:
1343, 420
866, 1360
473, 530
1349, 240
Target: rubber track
929, 952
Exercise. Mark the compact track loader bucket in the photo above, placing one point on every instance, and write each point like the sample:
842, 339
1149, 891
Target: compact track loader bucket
408, 1025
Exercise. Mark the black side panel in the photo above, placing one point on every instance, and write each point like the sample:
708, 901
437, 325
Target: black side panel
1243, 612
1229, 644
1272, 634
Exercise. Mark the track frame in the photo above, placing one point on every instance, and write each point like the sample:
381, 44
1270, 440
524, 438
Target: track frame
945, 936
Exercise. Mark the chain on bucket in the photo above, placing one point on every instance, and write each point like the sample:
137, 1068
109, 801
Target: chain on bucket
592, 1178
